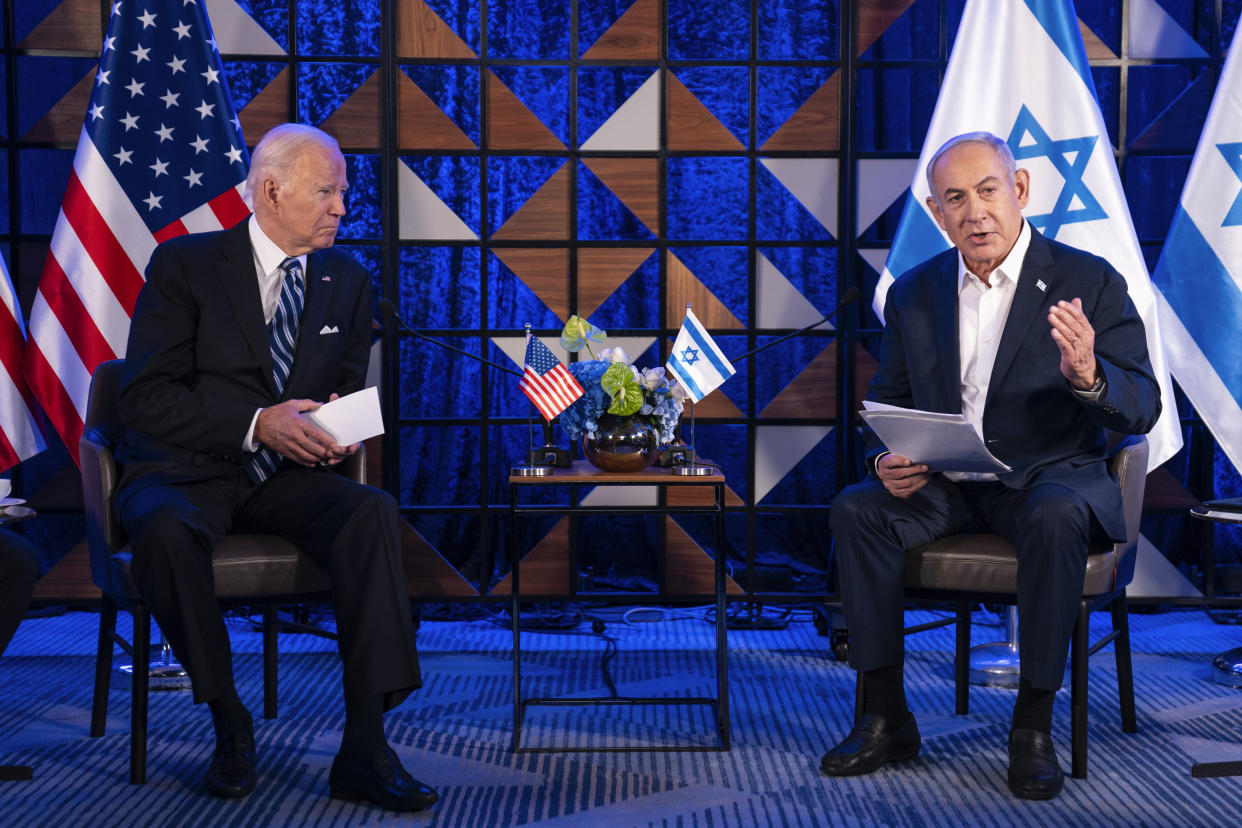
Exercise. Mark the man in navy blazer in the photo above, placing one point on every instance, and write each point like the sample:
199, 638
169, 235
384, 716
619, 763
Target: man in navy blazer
1040, 347
236, 336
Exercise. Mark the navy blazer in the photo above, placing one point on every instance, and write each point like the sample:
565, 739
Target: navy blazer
1032, 420
198, 363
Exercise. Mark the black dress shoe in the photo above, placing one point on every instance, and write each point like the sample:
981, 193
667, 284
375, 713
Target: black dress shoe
382, 781
1034, 772
231, 772
871, 744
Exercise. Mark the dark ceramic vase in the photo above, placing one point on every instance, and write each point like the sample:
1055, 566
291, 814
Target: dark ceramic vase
621, 444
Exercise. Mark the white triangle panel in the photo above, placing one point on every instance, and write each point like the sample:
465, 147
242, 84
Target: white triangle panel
514, 347
423, 215
636, 123
1156, 577
881, 181
1154, 34
813, 181
780, 304
876, 257
236, 32
622, 496
778, 449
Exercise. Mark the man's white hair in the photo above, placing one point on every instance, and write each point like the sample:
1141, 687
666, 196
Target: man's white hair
275, 153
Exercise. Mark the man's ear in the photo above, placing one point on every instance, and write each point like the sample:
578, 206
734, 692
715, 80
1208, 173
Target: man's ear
269, 190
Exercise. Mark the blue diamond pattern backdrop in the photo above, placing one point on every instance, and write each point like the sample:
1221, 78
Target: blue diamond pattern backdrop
723, 208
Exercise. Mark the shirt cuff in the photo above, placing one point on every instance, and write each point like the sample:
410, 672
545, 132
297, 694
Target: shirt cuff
249, 444
874, 462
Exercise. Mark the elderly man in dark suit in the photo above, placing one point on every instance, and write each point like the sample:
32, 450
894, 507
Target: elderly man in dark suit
237, 335
1040, 347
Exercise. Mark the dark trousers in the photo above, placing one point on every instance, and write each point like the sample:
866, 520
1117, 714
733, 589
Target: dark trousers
353, 531
19, 569
1050, 527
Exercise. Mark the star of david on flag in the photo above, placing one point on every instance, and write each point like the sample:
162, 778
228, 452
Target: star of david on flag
161, 154
1199, 275
547, 381
1018, 69
696, 361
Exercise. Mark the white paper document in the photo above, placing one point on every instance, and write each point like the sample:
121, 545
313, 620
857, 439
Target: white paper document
944, 442
352, 418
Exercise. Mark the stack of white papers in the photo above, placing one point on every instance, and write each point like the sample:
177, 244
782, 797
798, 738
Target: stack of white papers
944, 442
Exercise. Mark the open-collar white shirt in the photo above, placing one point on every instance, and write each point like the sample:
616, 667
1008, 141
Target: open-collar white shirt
982, 310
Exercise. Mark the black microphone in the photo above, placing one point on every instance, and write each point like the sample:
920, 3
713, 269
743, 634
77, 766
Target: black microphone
389, 309
851, 295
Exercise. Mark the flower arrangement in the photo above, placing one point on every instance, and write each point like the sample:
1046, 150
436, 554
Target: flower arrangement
612, 385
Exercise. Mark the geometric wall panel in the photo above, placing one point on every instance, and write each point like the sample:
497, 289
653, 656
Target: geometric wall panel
815, 126
691, 125
813, 181
601, 270
421, 33
73, 24
635, 125
778, 449
636, 181
236, 32
635, 35
780, 304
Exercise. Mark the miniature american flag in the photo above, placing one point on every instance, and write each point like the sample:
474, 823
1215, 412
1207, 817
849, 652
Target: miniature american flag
546, 381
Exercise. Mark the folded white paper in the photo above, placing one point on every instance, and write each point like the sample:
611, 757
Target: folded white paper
352, 418
944, 442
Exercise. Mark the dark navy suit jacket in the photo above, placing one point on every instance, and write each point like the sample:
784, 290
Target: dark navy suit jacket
1032, 420
198, 363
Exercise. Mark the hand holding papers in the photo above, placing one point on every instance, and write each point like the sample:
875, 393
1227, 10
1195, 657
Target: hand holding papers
944, 442
352, 418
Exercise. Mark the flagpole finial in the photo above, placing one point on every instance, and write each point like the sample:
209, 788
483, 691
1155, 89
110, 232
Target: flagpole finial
527, 326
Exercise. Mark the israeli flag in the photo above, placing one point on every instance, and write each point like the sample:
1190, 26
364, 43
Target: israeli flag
1019, 70
1199, 275
696, 361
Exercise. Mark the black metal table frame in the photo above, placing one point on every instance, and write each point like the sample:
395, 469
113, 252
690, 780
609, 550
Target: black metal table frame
719, 704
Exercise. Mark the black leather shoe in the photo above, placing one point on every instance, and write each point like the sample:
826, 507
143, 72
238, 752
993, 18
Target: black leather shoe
231, 772
871, 744
382, 781
1034, 772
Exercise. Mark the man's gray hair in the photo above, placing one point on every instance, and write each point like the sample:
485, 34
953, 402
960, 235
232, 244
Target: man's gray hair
997, 144
275, 153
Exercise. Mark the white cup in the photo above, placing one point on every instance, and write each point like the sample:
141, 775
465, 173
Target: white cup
6, 486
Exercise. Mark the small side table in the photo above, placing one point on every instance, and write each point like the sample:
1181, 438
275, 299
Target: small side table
582, 473
1227, 666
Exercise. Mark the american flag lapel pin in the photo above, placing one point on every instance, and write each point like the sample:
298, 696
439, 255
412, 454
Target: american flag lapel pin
1039, 283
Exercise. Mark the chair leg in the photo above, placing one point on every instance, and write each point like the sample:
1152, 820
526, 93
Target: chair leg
1125, 669
961, 660
1078, 693
103, 666
858, 697
138, 710
269, 661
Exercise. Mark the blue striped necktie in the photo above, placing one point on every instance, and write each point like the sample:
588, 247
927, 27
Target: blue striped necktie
282, 338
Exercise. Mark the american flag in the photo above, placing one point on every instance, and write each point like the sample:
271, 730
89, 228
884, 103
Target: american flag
546, 381
161, 154
20, 436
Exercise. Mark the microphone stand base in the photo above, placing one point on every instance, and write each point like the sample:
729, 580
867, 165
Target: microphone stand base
549, 456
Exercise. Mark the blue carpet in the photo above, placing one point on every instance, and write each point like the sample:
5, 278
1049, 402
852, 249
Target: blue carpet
789, 702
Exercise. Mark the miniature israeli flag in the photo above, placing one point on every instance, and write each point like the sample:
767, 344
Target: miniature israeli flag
1019, 70
696, 361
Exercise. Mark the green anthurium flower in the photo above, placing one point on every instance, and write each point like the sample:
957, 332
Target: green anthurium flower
626, 393
579, 333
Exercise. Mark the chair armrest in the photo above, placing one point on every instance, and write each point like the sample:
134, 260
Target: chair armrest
99, 477
1130, 465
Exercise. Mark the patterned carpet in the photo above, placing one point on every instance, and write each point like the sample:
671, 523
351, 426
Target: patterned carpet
788, 703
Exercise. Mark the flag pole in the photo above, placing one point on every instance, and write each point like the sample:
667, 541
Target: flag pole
691, 467
533, 467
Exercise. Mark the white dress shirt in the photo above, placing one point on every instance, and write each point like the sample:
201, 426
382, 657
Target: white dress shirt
982, 310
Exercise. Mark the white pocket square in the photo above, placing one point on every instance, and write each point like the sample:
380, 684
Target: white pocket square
329, 329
